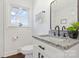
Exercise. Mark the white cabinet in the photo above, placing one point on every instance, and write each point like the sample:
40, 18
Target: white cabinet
37, 51
46, 50
53, 52
72, 52
49, 51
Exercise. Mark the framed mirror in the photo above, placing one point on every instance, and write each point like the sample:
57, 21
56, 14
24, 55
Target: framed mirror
64, 12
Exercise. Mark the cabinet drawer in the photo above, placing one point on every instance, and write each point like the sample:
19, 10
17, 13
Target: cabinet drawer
53, 52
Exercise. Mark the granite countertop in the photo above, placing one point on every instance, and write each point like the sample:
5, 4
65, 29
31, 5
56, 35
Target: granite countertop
58, 42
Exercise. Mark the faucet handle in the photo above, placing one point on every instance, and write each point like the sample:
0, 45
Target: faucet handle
58, 34
64, 35
54, 34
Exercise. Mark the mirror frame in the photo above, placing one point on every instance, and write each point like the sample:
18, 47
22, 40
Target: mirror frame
51, 13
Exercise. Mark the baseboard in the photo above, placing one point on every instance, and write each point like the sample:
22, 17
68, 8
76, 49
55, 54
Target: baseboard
11, 53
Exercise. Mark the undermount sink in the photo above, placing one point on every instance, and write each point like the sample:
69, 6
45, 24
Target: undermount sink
54, 39
57, 39
44, 35
65, 42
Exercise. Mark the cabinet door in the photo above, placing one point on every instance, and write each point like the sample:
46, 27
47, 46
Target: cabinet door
37, 51
48, 52
53, 52
35, 48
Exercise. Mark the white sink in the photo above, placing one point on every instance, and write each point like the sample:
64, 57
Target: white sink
61, 42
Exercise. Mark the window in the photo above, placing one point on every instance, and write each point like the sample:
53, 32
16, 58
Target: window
19, 17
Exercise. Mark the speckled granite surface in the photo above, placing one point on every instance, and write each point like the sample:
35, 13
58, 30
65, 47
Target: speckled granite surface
58, 42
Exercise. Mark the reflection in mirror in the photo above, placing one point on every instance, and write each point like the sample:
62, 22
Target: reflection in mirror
63, 13
19, 17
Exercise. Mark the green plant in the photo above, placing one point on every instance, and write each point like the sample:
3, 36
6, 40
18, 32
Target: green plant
74, 27
71, 28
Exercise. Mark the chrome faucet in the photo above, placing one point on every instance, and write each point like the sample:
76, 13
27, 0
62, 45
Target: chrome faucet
58, 30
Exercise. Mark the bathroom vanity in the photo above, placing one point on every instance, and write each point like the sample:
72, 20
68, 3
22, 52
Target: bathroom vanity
57, 43
47, 47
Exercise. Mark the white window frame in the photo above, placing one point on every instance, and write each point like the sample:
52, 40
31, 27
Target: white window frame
18, 6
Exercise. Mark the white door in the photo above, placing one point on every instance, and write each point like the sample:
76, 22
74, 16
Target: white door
18, 32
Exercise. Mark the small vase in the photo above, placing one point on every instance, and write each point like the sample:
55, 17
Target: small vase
73, 34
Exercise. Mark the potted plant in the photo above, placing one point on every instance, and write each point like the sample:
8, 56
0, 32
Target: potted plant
73, 30
76, 25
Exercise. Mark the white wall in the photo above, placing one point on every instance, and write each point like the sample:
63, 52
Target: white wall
64, 9
1, 29
40, 5
70, 13
24, 34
